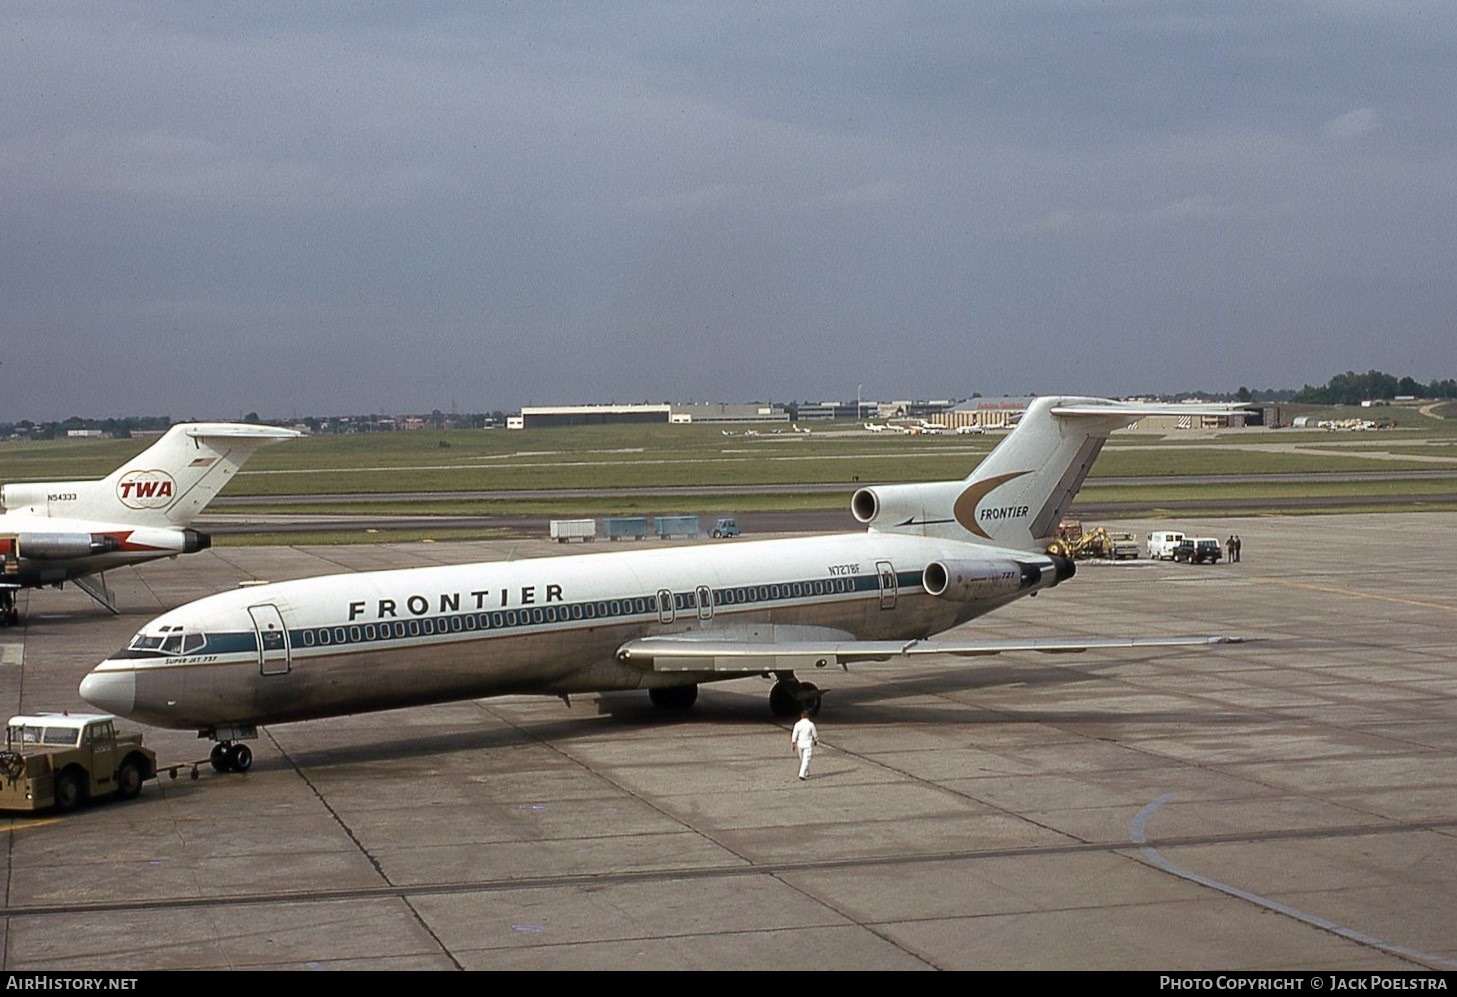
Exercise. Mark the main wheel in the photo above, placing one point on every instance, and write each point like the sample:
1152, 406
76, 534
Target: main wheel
68, 792
129, 779
810, 698
242, 758
782, 702
678, 697
221, 757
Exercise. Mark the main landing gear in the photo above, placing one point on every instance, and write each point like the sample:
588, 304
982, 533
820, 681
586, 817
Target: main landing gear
790, 697
231, 756
9, 615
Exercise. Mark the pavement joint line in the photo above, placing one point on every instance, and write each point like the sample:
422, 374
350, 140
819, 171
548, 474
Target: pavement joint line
1137, 834
774, 869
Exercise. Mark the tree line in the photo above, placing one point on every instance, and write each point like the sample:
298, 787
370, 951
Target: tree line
1351, 388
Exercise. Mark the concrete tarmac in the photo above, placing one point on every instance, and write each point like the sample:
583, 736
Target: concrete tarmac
1289, 803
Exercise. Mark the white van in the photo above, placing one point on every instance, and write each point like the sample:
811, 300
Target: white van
1161, 545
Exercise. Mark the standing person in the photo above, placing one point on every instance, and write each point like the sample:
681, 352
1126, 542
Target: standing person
1229, 550
1237, 544
803, 739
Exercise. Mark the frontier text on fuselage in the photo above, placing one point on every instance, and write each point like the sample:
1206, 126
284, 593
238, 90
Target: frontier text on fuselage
449, 602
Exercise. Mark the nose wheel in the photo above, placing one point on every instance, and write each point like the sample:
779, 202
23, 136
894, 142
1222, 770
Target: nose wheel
231, 756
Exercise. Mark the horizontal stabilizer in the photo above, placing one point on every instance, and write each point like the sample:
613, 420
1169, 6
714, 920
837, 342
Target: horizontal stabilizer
237, 431
1138, 410
698, 654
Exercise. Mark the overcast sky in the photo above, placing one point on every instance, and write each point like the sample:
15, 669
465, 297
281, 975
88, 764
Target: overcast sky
312, 208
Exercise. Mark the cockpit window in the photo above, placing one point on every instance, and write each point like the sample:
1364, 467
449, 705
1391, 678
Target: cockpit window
173, 642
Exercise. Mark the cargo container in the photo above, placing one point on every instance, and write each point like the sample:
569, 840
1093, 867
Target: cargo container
676, 526
563, 530
621, 527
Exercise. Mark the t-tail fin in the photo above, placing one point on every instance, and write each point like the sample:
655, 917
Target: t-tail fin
167, 484
1017, 496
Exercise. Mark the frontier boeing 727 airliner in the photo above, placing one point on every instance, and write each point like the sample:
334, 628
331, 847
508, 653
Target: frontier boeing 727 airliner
934, 556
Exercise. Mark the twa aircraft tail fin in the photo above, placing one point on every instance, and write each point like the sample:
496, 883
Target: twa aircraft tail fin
167, 484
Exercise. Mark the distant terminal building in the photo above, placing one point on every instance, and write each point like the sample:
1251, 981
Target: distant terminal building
719, 412
1003, 413
822, 411
603, 415
590, 415
985, 413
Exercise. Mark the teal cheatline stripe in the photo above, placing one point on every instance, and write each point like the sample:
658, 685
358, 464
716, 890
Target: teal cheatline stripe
634, 607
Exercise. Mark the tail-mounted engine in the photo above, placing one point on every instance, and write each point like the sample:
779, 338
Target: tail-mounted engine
973, 581
56, 546
910, 508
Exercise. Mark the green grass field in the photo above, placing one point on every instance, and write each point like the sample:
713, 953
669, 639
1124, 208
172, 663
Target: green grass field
625, 457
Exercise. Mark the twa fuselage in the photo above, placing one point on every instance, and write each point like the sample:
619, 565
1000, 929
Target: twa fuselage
48, 550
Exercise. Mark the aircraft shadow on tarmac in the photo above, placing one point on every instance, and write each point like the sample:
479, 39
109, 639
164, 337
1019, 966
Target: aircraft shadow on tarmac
733, 704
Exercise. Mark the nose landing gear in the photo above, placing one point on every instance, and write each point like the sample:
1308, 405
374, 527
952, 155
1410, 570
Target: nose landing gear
231, 756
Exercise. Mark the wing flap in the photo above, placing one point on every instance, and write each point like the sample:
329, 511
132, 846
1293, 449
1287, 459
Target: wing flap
727, 654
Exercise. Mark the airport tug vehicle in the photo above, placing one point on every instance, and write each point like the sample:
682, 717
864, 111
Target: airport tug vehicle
60, 760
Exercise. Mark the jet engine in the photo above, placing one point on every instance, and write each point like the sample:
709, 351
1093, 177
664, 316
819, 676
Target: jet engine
889, 506
62, 546
973, 581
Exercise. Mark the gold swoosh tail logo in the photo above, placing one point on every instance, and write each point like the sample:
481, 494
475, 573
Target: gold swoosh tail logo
965, 507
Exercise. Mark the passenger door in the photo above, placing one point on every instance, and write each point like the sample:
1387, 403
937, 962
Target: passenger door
274, 657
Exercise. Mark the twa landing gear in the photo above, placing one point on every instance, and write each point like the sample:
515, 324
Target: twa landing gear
231, 756
790, 697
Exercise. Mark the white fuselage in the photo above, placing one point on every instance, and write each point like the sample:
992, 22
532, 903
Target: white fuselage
377, 640
127, 545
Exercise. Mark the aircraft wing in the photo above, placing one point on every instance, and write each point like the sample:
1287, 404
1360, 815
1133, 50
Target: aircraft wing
711, 653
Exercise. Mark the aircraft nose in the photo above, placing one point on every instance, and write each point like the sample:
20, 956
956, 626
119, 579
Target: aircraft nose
113, 692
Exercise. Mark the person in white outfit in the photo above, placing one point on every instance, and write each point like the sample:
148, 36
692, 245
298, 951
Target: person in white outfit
803, 739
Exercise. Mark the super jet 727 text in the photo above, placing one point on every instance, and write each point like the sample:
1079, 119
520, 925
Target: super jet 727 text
60, 531
934, 556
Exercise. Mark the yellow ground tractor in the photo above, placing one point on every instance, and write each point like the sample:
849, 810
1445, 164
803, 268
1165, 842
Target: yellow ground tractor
62, 759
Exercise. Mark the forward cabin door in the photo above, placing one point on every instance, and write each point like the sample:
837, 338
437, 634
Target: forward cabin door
273, 652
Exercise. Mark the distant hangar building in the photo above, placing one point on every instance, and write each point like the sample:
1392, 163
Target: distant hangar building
589, 415
1003, 413
603, 415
